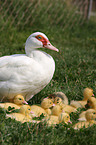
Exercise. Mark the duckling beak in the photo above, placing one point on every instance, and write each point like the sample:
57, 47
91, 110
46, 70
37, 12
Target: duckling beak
32, 112
24, 102
50, 46
69, 122
53, 105
45, 98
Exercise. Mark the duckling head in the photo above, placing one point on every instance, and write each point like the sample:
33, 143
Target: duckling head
64, 117
19, 100
25, 109
88, 92
57, 100
90, 115
62, 96
46, 103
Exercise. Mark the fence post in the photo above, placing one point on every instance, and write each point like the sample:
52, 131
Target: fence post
89, 9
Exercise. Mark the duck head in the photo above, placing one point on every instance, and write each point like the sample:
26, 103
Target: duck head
38, 40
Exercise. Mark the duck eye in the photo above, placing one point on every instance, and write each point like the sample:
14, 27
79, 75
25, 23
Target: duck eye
39, 37
28, 109
94, 113
20, 99
57, 102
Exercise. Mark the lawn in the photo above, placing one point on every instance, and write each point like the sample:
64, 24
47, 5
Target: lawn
75, 70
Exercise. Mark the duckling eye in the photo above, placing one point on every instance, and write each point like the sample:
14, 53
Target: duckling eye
57, 102
28, 109
50, 103
20, 99
94, 113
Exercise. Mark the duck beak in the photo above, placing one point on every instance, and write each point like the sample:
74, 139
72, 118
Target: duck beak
24, 102
50, 46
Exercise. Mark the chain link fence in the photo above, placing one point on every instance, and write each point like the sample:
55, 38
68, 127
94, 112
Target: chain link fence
21, 14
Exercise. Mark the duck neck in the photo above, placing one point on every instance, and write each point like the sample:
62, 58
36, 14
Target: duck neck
32, 45
29, 51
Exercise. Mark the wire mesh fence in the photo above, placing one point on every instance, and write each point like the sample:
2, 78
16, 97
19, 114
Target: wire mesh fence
21, 14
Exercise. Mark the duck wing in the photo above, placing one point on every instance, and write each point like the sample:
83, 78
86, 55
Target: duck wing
20, 74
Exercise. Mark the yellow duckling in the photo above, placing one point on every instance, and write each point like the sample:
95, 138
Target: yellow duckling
57, 109
66, 108
61, 95
90, 117
58, 116
64, 117
23, 115
17, 103
38, 110
46, 104
52, 120
87, 93
44, 108
91, 103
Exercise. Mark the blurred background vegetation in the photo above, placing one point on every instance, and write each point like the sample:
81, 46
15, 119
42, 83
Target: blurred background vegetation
64, 13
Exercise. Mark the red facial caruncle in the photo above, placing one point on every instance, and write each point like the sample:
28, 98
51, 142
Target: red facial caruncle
42, 39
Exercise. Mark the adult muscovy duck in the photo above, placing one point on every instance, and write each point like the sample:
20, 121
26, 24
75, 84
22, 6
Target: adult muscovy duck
29, 73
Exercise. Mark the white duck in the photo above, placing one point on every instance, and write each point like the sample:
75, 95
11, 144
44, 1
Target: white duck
29, 73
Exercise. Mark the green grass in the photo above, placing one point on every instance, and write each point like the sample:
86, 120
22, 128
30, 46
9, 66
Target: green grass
75, 70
